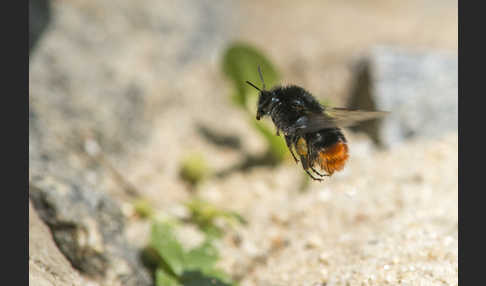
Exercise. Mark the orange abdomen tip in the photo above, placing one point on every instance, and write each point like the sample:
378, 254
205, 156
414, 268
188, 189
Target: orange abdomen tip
334, 158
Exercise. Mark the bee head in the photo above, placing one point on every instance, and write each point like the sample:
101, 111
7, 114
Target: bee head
264, 105
264, 98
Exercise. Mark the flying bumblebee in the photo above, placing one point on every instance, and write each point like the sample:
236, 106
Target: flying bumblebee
309, 128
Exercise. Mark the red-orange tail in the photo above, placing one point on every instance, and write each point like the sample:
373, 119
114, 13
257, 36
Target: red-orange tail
334, 158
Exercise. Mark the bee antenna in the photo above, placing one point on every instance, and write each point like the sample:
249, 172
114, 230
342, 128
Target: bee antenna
261, 77
253, 86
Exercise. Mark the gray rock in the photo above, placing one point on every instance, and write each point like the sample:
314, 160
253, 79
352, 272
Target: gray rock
419, 89
47, 265
39, 18
98, 69
88, 228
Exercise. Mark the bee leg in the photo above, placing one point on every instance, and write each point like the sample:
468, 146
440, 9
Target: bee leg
322, 175
305, 166
288, 140
312, 159
314, 178
293, 155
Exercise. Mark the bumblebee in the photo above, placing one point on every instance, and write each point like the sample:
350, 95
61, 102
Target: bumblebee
310, 130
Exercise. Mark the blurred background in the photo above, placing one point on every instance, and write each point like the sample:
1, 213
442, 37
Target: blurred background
147, 167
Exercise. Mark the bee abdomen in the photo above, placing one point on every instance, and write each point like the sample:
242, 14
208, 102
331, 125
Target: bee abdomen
333, 158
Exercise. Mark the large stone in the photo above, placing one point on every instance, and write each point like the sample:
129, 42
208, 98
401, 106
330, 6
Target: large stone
101, 65
39, 18
47, 265
419, 89
98, 69
88, 228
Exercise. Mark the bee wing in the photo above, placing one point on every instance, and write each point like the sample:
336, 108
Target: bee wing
344, 117
333, 117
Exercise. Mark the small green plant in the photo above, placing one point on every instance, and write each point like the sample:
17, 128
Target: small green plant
204, 215
143, 208
175, 266
240, 62
194, 169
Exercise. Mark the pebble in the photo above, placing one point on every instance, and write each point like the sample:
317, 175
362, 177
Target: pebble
324, 274
324, 258
314, 241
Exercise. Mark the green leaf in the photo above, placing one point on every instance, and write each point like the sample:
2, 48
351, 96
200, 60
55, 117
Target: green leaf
204, 214
210, 277
143, 208
240, 63
164, 279
167, 246
220, 275
236, 217
194, 168
150, 257
201, 257
277, 146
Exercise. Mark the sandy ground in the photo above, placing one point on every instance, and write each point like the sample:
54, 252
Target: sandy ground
389, 218
380, 222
